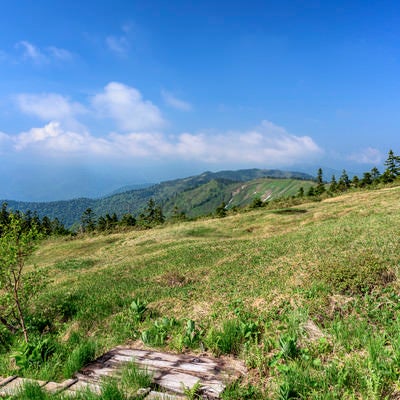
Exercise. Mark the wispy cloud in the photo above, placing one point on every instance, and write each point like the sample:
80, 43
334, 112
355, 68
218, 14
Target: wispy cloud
118, 44
126, 106
40, 56
367, 156
174, 102
31, 52
59, 54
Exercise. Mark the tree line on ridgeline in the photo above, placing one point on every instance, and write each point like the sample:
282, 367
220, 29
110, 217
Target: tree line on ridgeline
368, 179
153, 214
30, 221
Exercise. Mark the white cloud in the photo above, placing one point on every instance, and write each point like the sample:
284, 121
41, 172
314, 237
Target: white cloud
48, 106
367, 156
55, 141
118, 44
139, 136
31, 52
126, 106
43, 56
268, 145
174, 102
60, 54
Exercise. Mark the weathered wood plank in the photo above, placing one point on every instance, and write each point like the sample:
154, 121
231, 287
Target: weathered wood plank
4, 381
172, 372
54, 387
81, 386
16, 384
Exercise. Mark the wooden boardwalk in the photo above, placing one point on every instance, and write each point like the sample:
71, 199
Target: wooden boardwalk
172, 374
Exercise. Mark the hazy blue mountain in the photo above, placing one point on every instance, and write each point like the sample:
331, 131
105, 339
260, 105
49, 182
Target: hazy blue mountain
194, 195
128, 188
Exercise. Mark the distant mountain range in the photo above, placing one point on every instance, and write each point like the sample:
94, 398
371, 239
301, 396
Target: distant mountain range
195, 195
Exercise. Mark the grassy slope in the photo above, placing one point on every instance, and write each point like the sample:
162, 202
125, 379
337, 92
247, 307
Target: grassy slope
332, 264
267, 189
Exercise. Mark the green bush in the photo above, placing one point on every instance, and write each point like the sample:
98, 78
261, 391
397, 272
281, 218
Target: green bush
34, 353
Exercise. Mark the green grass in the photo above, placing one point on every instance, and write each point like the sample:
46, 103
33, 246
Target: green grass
250, 283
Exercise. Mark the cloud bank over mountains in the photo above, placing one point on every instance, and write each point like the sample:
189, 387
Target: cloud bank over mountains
140, 131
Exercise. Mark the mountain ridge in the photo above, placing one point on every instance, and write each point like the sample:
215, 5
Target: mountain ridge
194, 195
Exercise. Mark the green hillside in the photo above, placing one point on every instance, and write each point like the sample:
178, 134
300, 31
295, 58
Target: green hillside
307, 296
196, 195
266, 189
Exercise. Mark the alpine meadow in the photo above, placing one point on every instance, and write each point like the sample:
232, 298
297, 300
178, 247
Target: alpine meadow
303, 289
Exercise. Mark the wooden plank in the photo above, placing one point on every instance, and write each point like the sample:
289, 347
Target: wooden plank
4, 381
82, 386
54, 387
171, 372
16, 384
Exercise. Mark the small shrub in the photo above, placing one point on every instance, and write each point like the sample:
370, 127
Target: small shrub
33, 353
138, 309
288, 346
192, 335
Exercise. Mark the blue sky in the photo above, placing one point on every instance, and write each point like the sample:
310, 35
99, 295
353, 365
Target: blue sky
99, 94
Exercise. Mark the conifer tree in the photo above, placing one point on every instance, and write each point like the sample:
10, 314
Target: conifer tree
366, 180
392, 164
344, 181
320, 188
375, 174
221, 210
333, 185
88, 222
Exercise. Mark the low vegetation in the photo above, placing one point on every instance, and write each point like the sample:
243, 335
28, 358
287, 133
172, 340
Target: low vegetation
305, 292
